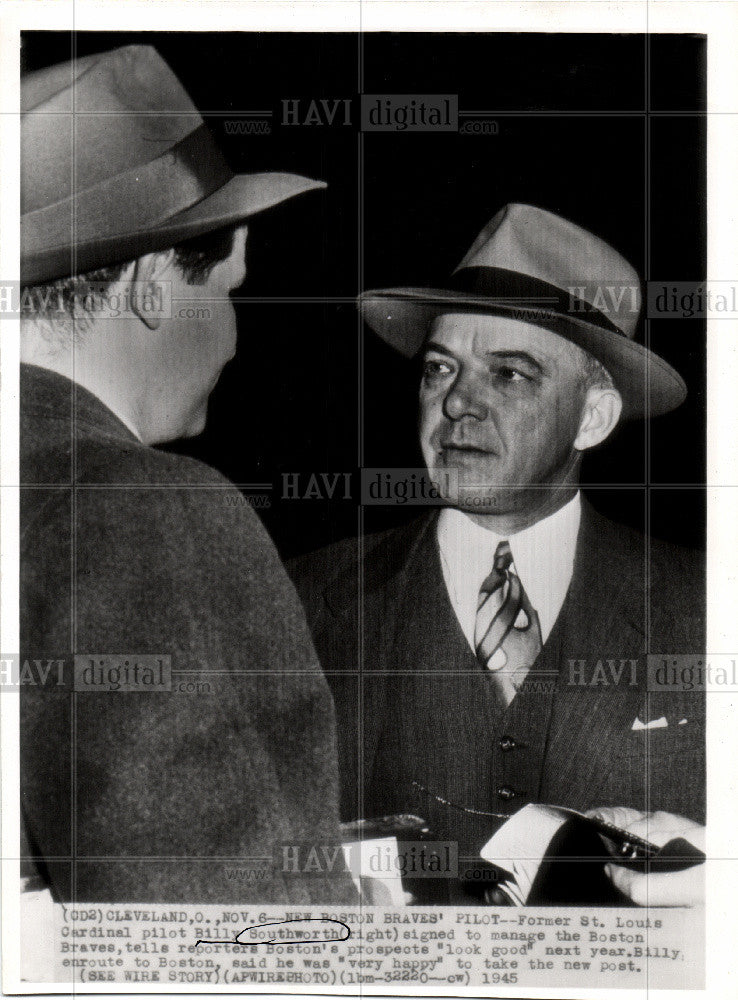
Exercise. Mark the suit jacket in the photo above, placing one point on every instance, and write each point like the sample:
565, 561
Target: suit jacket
420, 727
164, 796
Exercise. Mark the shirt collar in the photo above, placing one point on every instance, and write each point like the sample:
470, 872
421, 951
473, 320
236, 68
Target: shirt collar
467, 543
543, 556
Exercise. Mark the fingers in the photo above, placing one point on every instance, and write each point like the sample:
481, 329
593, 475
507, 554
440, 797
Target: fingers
620, 816
660, 827
685, 888
656, 827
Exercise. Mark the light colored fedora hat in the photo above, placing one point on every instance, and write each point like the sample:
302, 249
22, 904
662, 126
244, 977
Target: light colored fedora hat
532, 265
116, 161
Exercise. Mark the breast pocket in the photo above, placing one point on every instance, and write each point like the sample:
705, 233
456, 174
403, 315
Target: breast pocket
661, 768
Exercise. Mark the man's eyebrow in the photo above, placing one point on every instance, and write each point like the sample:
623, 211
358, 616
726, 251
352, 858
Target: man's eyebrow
503, 355
433, 345
518, 356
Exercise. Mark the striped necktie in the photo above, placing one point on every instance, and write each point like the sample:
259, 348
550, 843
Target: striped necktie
507, 633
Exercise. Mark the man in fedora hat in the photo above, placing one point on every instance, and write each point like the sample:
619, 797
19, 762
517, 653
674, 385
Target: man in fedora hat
190, 728
504, 636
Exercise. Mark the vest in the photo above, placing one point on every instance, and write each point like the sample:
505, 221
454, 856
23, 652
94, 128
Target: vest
444, 733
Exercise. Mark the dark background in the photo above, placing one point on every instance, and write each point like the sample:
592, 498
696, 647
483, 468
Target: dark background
607, 130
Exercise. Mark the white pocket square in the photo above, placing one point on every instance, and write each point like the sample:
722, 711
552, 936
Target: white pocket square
654, 724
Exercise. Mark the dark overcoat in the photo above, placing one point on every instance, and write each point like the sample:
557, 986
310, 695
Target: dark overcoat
171, 796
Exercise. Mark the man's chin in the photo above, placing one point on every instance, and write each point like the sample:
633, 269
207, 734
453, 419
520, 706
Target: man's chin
482, 500
193, 425
197, 425
470, 489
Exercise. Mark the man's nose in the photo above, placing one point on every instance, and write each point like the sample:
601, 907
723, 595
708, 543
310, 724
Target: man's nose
464, 400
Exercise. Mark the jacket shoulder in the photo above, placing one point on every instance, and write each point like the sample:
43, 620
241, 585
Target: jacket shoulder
159, 529
631, 548
104, 461
345, 563
670, 561
667, 583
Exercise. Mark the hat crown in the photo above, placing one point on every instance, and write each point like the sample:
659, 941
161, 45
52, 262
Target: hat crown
543, 246
67, 142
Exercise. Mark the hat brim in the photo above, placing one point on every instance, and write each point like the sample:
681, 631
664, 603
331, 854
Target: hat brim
238, 199
648, 385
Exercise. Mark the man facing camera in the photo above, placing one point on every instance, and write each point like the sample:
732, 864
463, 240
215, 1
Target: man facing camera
192, 731
486, 626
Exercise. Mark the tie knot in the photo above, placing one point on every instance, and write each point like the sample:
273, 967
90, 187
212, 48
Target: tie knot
503, 557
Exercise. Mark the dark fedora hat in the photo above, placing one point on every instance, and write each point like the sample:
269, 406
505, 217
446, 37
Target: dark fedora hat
534, 266
116, 161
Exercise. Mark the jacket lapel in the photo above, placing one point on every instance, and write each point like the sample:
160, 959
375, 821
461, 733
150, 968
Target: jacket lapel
427, 634
603, 629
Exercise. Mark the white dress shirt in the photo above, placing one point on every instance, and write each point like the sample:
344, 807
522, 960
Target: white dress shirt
543, 558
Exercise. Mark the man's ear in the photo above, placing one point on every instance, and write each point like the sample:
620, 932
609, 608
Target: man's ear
148, 274
600, 414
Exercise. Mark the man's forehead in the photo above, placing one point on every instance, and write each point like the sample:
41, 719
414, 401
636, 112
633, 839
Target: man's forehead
479, 332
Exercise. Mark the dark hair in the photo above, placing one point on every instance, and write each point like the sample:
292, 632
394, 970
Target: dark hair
194, 258
593, 372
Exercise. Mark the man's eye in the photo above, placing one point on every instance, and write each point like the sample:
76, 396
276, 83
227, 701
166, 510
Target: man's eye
433, 368
508, 374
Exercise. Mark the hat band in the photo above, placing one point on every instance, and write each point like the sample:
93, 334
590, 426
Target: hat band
513, 289
137, 199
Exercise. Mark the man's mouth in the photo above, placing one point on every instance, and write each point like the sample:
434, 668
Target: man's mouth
461, 446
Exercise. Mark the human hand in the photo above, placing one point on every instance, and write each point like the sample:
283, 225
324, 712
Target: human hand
679, 888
